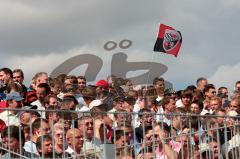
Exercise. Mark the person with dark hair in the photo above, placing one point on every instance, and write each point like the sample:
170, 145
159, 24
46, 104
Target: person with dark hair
118, 140
66, 118
39, 127
222, 90
237, 86
79, 86
128, 83
196, 107
42, 91
89, 94
178, 122
70, 85
128, 103
201, 83
185, 101
44, 146
209, 91
69, 103
198, 96
61, 77
118, 134
170, 93
70, 80
30, 97
70, 89
102, 123
13, 139
130, 139
117, 104
82, 82
168, 106
128, 133
224, 99
191, 88
122, 117
18, 76
15, 87
147, 143
6, 76
216, 150
223, 94
159, 87
55, 85
146, 120
224, 134
137, 104
8, 72
50, 100
51, 115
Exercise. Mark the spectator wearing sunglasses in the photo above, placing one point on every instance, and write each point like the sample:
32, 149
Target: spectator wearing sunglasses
85, 124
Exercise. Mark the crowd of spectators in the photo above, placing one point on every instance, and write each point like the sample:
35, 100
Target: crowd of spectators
65, 117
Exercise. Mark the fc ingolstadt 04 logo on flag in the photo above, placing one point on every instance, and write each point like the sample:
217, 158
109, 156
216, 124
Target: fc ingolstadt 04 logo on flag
168, 41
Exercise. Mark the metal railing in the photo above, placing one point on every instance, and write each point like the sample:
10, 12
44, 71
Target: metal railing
71, 134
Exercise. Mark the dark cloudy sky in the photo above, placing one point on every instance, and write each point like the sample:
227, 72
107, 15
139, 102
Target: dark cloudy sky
40, 35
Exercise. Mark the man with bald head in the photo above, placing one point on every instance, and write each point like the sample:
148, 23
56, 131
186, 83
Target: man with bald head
75, 141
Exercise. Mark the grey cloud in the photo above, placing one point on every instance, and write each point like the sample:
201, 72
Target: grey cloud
210, 35
209, 29
59, 26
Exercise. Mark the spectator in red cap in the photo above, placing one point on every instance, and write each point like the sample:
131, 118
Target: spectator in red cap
103, 83
103, 94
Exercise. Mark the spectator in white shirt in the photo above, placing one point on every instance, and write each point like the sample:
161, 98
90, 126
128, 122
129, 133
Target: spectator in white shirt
159, 86
14, 101
85, 124
39, 127
42, 91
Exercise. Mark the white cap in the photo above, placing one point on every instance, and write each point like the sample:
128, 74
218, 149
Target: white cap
232, 113
203, 147
179, 103
95, 103
137, 87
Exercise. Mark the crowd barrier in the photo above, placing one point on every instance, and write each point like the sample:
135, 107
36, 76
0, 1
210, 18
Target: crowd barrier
183, 136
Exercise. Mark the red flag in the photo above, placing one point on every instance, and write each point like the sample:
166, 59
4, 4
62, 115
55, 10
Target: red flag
169, 40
